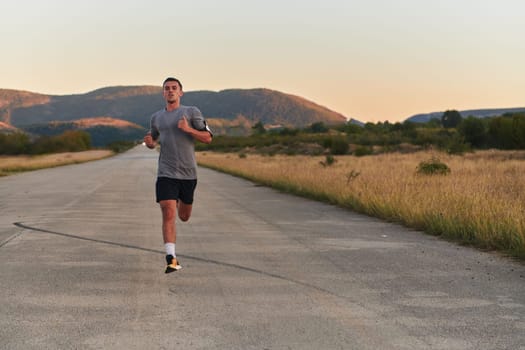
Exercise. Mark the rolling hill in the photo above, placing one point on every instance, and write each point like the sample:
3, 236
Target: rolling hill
136, 104
478, 113
103, 130
4, 127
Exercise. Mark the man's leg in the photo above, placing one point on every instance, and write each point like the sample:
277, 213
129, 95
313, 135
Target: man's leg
184, 210
169, 212
169, 233
184, 205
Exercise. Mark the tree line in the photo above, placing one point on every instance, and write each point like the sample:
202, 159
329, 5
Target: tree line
451, 133
22, 143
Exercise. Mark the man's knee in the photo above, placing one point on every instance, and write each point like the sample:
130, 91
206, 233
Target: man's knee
183, 217
168, 211
184, 211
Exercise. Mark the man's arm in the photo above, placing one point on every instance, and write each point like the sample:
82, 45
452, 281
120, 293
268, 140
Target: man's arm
149, 141
203, 136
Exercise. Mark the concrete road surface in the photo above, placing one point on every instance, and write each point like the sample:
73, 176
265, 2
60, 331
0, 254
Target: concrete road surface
82, 267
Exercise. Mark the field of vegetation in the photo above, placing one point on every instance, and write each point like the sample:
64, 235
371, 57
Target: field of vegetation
20, 152
384, 170
15, 164
476, 199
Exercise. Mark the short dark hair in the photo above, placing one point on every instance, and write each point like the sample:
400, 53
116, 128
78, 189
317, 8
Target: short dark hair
172, 79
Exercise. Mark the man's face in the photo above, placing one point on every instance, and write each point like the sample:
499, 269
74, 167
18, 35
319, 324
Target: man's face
172, 91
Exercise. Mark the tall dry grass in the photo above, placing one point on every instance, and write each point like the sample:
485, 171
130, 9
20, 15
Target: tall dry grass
15, 164
481, 202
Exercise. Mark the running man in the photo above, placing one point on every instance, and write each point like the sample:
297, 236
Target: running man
175, 128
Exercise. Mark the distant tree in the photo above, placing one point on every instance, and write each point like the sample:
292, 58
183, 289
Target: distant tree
258, 128
69, 141
508, 131
500, 132
396, 127
350, 128
518, 131
318, 127
288, 132
339, 146
15, 143
375, 128
409, 130
474, 131
370, 126
433, 123
451, 119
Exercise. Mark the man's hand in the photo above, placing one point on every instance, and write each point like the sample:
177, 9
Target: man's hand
148, 140
202, 136
184, 125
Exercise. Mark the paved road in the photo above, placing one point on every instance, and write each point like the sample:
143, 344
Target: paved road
81, 267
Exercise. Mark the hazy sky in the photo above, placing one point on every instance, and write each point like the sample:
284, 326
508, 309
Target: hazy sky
373, 60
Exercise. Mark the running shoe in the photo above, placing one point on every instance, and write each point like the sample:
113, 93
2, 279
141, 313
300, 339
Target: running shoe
172, 264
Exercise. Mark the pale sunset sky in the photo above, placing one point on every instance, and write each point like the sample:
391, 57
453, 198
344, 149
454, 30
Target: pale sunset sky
372, 60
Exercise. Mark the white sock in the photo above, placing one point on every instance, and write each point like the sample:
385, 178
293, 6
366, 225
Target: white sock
170, 248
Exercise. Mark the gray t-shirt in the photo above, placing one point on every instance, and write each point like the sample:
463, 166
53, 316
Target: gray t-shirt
177, 150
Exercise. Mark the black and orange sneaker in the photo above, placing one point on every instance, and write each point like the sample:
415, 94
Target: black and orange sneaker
172, 264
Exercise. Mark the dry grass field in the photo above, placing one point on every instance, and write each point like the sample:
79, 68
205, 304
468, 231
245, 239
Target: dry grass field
480, 202
15, 164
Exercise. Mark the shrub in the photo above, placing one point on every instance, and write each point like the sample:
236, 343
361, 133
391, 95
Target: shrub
69, 141
475, 131
339, 146
363, 151
352, 176
120, 146
433, 166
15, 143
329, 160
317, 128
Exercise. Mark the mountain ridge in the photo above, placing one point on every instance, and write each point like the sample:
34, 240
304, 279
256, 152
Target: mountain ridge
136, 104
478, 113
102, 130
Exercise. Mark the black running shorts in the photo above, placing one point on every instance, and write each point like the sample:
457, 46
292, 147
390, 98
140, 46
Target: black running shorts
167, 188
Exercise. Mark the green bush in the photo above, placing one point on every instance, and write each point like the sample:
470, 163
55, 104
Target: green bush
69, 141
329, 160
475, 131
456, 145
121, 146
15, 143
339, 146
362, 151
433, 166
